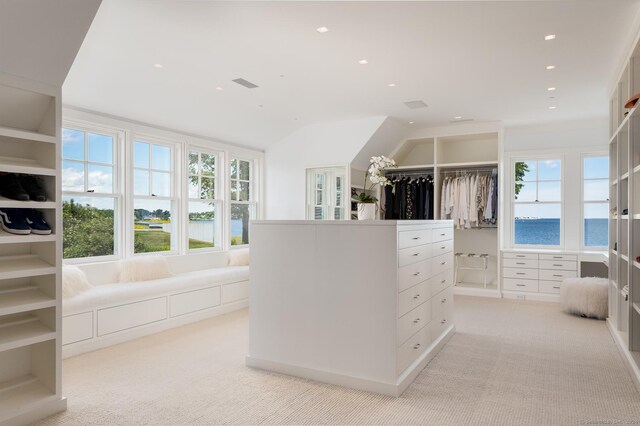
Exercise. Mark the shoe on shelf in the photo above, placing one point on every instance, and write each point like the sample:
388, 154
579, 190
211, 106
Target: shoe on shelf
11, 187
36, 222
14, 221
34, 187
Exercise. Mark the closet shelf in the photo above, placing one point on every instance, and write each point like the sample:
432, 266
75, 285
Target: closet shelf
23, 299
624, 216
26, 135
6, 202
615, 182
636, 307
615, 284
7, 238
24, 165
636, 264
614, 252
416, 167
25, 265
636, 169
23, 332
624, 257
624, 176
20, 393
468, 164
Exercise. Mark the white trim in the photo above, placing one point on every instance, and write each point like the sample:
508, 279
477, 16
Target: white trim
584, 155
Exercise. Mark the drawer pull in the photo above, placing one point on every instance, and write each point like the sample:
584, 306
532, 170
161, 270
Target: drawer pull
558, 288
416, 254
417, 320
442, 235
443, 263
443, 281
521, 273
417, 296
416, 274
520, 263
443, 321
555, 264
416, 238
557, 257
557, 275
442, 248
443, 300
519, 255
521, 285
417, 346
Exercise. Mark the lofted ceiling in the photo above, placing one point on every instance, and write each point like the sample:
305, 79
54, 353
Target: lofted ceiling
479, 60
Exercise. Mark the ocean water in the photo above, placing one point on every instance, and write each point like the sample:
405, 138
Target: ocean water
547, 232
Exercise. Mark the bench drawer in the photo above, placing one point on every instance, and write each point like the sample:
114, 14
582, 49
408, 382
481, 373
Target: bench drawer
413, 254
192, 301
565, 265
553, 275
530, 274
234, 292
118, 318
520, 285
511, 255
410, 275
76, 328
549, 287
520, 263
442, 234
413, 238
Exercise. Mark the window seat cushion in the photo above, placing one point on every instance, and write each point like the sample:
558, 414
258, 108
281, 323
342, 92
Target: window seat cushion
105, 295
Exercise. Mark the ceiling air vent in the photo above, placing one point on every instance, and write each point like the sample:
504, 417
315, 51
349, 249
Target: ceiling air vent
415, 104
462, 120
245, 83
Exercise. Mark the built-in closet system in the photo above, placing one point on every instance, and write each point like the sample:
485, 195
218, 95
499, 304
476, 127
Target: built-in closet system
30, 290
624, 220
450, 154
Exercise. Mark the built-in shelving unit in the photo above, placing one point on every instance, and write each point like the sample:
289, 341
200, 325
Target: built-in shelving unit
30, 291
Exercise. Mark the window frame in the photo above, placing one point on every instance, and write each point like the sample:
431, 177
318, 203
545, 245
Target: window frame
218, 200
117, 194
583, 156
561, 202
329, 192
253, 198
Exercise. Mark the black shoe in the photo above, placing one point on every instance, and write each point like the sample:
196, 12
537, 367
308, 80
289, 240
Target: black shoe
36, 222
11, 187
34, 187
14, 221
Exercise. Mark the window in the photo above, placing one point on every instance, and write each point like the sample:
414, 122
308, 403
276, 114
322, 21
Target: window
595, 200
204, 225
153, 197
537, 202
325, 193
243, 206
89, 199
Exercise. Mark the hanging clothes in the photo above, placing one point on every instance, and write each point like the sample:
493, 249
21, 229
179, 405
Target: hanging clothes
470, 199
409, 198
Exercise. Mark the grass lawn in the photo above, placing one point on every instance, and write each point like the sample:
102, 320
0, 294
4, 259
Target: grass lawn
161, 241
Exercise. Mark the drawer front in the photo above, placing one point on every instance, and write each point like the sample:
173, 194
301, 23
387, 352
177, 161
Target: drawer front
530, 274
549, 287
413, 321
412, 348
441, 281
111, 320
413, 297
413, 238
442, 234
520, 263
565, 265
441, 321
414, 254
512, 284
234, 292
410, 275
510, 255
441, 247
559, 257
441, 263
76, 328
554, 275
441, 302
192, 301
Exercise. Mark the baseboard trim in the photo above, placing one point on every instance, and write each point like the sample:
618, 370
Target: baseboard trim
625, 354
477, 292
374, 386
36, 413
537, 297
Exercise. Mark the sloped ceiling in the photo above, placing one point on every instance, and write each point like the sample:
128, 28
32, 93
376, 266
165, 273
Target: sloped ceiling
39, 39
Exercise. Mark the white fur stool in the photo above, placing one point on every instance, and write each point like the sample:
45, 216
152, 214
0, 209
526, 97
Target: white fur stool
585, 296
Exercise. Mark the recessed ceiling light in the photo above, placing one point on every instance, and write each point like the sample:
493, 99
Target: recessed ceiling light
218, 88
551, 89
552, 107
411, 122
157, 65
322, 29
552, 97
363, 62
457, 117
550, 37
391, 85
551, 67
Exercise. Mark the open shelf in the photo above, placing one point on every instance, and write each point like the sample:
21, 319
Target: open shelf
23, 299
624, 257
21, 392
415, 167
636, 264
24, 265
468, 164
26, 135
23, 331
24, 165
636, 169
624, 176
614, 182
8, 203
636, 307
7, 238
624, 216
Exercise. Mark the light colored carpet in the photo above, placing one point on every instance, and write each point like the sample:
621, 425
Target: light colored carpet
511, 363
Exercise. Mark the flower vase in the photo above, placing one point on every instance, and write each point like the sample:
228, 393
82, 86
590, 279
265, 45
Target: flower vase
367, 211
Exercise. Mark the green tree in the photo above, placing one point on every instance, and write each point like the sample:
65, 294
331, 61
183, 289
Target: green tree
521, 169
88, 231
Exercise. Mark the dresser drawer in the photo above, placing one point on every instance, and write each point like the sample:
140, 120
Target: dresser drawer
555, 275
441, 247
441, 281
520, 263
411, 322
415, 254
549, 287
441, 263
531, 274
512, 284
410, 275
565, 265
118, 318
441, 321
559, 257
413, 348
510, 255
441, 302
413, 238
413, 297
441, 234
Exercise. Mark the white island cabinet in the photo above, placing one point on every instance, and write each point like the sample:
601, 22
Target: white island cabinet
362, 304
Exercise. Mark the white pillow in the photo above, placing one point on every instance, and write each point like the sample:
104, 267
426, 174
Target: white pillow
239, 257
74, 281
144, 268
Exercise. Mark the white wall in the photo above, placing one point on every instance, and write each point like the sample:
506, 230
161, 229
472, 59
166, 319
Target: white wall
320, 145
567, 141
